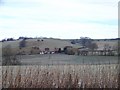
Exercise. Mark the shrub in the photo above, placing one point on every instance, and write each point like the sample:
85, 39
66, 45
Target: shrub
73, 42
22, 44
70, 52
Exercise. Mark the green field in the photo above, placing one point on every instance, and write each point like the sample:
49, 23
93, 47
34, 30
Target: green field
66, 59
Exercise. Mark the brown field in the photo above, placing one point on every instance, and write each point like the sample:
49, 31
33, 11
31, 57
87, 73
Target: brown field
60, 76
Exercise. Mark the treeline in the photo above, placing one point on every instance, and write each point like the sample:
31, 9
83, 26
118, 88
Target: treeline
12, 39
23, 38
74, 41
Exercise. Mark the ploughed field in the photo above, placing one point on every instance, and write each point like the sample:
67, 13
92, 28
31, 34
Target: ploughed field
62, 59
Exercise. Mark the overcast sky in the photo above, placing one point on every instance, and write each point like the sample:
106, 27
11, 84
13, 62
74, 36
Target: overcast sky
59, 18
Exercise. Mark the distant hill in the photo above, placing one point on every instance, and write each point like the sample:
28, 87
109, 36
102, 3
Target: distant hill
100, 42
52, 43
41, 43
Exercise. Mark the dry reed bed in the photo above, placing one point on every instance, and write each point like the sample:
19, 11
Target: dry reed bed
0, 77
61, 76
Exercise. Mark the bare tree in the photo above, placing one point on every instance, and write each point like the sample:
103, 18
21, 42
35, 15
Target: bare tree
92, 46
9, 56
85, 41
22, 44
106, 48
116, 48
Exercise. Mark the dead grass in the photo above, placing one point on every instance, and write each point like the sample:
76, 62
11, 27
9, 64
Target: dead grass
60, 76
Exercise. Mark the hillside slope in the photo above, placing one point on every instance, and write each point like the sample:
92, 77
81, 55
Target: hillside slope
42, 43
101, 44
